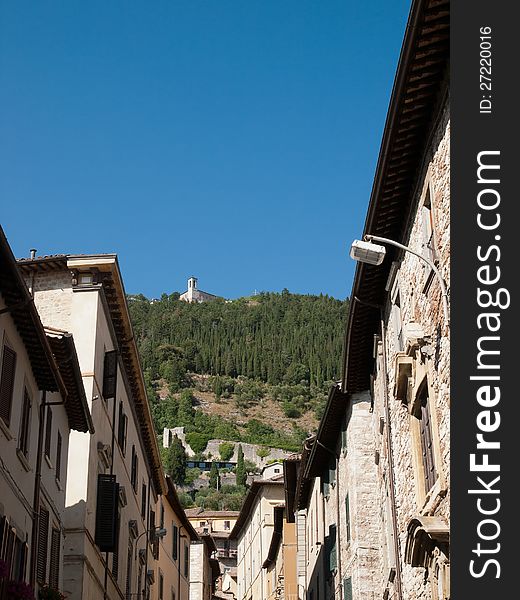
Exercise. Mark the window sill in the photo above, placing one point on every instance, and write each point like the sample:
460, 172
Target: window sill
5, 430
434, 496
23, 459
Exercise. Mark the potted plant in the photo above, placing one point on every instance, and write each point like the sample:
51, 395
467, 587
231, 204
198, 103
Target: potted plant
19, 590
49, 593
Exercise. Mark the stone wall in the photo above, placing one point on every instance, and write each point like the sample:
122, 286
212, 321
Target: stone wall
420, 305
357, 478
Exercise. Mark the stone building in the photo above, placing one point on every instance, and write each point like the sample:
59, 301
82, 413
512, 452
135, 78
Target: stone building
193, 294
41, 400
204, 568
253, 532
115, 475
331, 494
398, 333
219, 524
176, 536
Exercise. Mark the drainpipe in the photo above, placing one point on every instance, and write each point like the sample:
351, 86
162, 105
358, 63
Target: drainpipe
398, 577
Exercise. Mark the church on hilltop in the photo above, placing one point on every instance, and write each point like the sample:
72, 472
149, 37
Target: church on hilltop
193, 294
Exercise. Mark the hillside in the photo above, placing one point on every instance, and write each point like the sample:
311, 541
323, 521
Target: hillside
254, 369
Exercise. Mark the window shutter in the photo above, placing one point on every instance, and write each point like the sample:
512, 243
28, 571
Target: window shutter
129, 564
115, 553
43, 538
7, 383
24, 425
48, 432
326, 482
110, 374
186, 560
430, 474
347, 588
332, 553
106, 512
54, 570
347, 516
175, 547
143, 500
58, 457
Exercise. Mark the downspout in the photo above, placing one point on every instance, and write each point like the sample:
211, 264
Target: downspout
398, 576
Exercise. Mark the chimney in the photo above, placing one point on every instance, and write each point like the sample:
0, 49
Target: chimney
33, 253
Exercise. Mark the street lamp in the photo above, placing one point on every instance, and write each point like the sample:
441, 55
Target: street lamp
374, 254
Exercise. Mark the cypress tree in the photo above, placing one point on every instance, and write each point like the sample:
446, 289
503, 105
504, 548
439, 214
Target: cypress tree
214, 476
241, 475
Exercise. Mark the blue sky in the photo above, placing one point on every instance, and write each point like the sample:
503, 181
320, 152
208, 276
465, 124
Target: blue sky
235, 140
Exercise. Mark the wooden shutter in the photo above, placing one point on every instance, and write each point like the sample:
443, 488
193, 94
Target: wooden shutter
110, 374
24, 424
347, 517
106, 512
175, 543
115, 553
48, 432
143, 500
54, 570
186, 560
347, 588
7, 383
43, 538
129, 564
430, 474
58, 457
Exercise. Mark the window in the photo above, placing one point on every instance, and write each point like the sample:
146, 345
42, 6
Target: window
48, 433
23, 438
109, 374
227, 525
43, 538
186, 560
161, 585
54, 569
175, 542
422, 413
58, 457
161, 517
7, 383
134, 471
429, 249
397, 319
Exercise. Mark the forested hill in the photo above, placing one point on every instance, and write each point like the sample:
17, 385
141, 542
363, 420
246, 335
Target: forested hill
275, 338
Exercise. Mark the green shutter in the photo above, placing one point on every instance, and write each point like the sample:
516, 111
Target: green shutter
347, 588
347, 516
